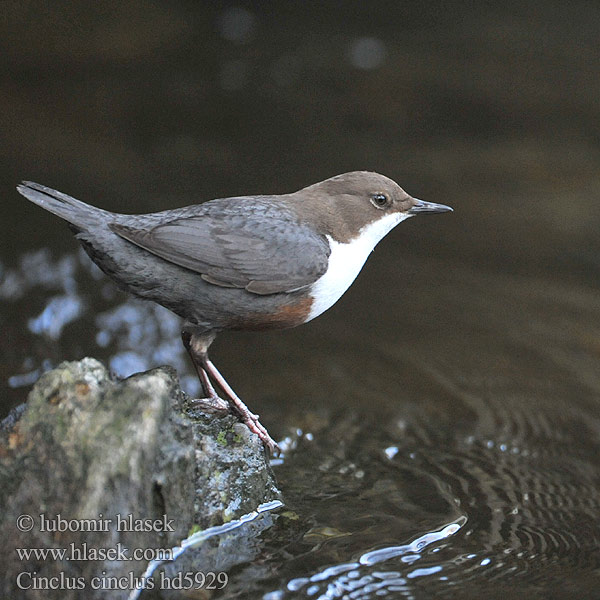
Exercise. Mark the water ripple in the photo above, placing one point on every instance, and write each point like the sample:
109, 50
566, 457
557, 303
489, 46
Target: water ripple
359, 579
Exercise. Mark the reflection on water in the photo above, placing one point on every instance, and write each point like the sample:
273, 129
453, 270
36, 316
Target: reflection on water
59, 312
134, 335
339, 580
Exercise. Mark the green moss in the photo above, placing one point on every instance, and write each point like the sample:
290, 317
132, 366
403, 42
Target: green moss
194, 529
222, 438
288, 514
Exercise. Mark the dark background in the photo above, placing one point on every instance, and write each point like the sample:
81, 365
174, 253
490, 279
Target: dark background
470, 339
139, 106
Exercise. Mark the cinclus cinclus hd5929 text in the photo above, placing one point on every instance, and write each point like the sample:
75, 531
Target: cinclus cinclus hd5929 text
242, 263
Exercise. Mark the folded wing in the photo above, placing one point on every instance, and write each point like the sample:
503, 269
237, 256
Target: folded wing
235, 242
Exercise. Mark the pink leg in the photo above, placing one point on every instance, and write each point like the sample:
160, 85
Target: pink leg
197, 347
211, 402
249, 418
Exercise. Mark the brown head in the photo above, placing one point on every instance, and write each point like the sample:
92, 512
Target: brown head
344, 205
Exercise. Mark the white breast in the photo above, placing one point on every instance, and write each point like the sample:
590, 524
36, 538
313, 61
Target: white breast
346, 261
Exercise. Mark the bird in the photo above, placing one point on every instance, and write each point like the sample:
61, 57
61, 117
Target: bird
253, 263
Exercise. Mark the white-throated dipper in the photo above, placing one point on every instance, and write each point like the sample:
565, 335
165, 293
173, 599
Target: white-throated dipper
242, 263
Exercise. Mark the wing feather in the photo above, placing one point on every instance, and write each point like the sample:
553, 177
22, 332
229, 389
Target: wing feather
235, 243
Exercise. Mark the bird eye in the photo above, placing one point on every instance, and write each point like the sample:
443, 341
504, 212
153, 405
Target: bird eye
380, 200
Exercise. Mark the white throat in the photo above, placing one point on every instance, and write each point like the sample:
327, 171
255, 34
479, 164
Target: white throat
346, 261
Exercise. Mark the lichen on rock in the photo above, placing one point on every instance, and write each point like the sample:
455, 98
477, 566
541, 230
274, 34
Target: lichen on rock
88, 447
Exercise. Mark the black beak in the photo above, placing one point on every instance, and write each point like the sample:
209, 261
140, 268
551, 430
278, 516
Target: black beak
427, 207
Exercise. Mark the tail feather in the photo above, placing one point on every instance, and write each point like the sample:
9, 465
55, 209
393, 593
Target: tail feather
70, 209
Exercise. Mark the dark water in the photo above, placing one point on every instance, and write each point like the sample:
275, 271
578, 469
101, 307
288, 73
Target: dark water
442, 421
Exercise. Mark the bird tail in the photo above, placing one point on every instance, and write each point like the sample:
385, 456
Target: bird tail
74, 211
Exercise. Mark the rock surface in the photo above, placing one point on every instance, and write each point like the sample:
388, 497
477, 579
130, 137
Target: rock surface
96, 465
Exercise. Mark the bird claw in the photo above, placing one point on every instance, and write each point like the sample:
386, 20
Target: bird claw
255, 426
212, 404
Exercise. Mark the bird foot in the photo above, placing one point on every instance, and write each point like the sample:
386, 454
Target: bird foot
216, 405
212, 404
251, 421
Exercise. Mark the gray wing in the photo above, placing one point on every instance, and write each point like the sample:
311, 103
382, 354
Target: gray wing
235, 243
